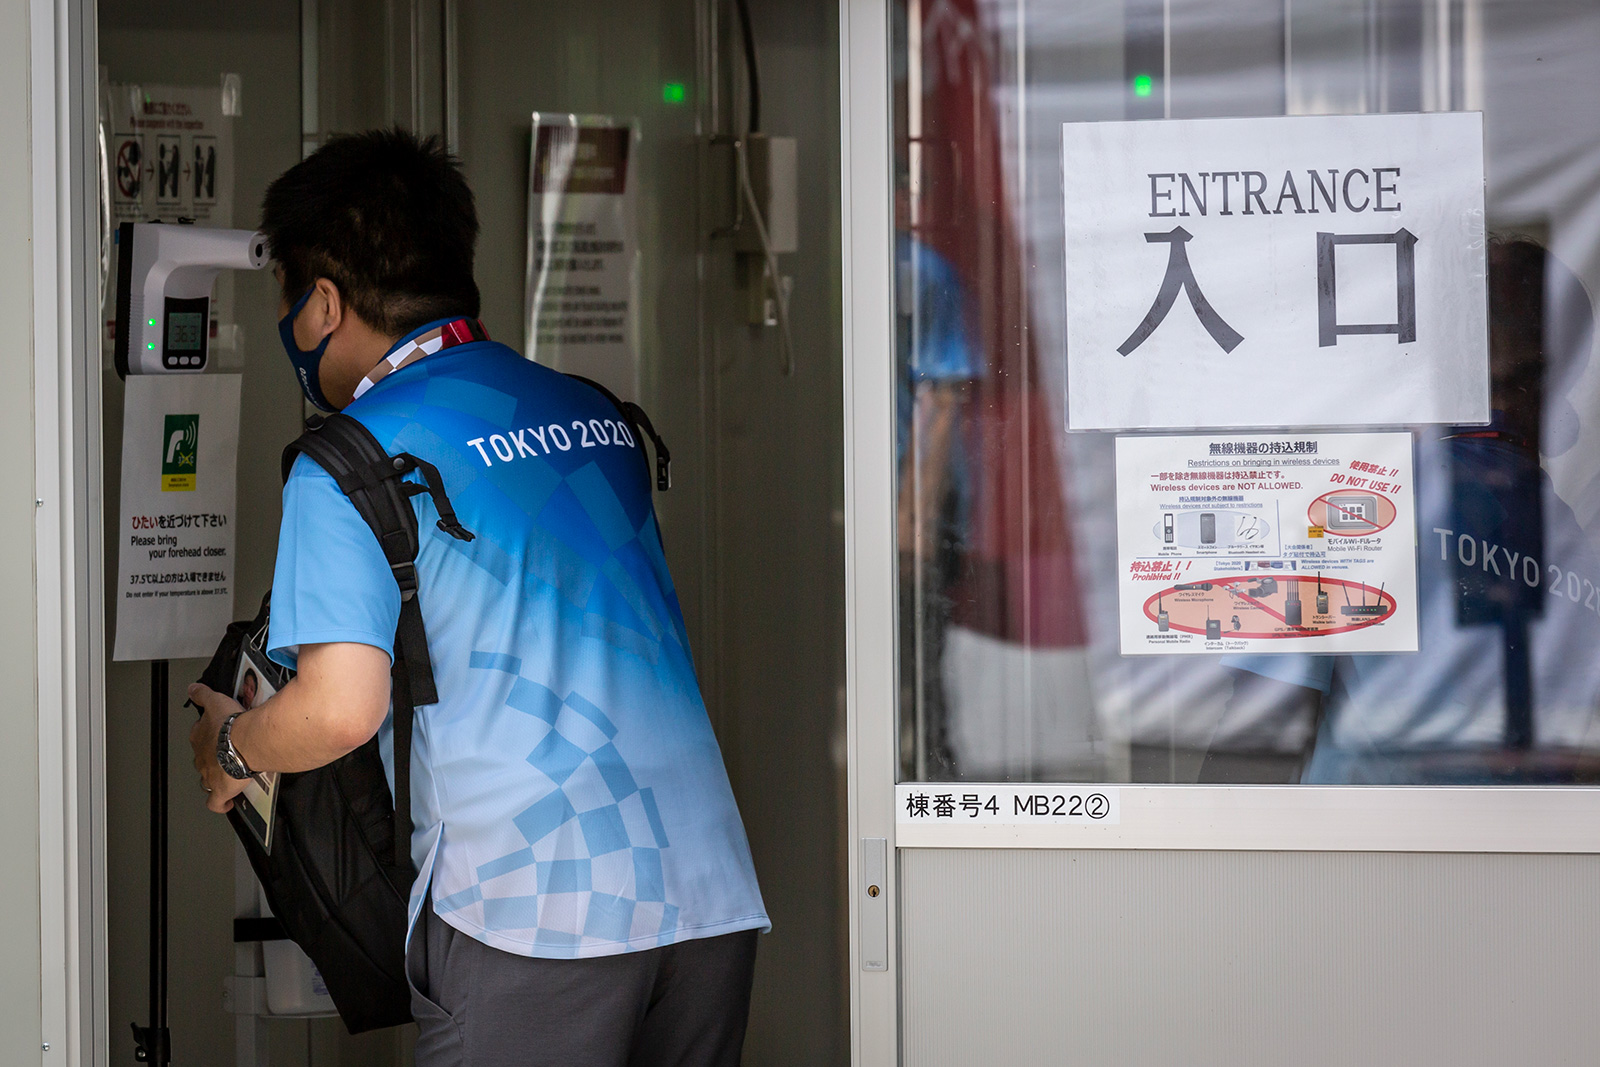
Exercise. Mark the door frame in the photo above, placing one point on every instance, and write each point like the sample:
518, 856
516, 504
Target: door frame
68, 566
866, 218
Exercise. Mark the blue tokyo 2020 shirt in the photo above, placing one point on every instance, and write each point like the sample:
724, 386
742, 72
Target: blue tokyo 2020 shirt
569, 796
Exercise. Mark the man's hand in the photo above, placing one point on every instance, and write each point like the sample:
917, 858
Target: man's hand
334, 704
220, 786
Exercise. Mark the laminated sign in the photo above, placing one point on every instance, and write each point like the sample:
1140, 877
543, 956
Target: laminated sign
169, 151
583, 255
180, 448
1301, 271
1254, 543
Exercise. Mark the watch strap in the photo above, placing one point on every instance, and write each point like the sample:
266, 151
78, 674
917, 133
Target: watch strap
227, 756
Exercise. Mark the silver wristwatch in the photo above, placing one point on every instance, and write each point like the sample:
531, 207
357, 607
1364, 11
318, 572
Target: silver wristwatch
227, 755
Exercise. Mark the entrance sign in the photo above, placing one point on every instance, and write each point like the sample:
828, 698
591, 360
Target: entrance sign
1302, 271
1248, 543
582, 291
180, 448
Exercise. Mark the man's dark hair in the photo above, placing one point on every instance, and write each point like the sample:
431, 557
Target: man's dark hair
385, 216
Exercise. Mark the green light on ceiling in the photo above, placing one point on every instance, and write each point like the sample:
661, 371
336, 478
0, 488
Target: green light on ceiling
674, 93
1143, 85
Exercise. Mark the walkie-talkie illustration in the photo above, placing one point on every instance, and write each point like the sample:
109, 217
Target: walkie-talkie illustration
1291, 606
1213, 626
1161, 616
1322, 596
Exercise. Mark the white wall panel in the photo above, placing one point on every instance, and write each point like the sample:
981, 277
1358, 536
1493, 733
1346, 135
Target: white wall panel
1239, 959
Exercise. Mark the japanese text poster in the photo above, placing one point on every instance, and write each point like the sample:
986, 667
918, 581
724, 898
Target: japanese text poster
582, 251
1259, 543
170, 152
180, 450
169, 157
1303, 271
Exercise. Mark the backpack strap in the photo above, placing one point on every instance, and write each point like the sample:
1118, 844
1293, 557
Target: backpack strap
640, 424
374, 482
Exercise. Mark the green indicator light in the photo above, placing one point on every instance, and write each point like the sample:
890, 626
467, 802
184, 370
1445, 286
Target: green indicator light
1142, 85
151, 347
673, 93
152, 322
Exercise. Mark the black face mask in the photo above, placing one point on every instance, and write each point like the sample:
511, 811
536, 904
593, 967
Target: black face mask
307, 365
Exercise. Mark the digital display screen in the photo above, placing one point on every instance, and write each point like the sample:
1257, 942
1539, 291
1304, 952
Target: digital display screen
184, 331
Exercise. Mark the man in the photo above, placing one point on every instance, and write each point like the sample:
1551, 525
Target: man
585, 892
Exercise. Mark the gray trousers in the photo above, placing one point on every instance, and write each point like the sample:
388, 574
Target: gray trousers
680, 1006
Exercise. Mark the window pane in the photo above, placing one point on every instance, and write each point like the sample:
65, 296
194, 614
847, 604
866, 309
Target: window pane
1011, 618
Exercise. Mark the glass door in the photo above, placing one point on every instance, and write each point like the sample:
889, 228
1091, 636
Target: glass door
1025, 650
1104, 599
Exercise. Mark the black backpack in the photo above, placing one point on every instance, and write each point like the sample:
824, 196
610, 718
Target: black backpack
339, 875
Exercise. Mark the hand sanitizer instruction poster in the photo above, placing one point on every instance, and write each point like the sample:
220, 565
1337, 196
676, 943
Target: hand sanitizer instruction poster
1257, 543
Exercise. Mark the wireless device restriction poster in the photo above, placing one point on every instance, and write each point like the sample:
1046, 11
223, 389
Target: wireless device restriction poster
1292, 271
1261, 543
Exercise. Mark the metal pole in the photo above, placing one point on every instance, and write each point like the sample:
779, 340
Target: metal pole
155, 1042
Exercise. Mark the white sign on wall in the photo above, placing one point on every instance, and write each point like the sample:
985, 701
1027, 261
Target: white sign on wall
583, 254
1301, 271
170, 151
180, 450
1257, 543
169, 156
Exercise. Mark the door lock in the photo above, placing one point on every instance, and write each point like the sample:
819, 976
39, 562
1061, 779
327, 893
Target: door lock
874, 911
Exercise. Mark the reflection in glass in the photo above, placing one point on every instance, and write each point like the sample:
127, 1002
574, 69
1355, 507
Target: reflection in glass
1007, 530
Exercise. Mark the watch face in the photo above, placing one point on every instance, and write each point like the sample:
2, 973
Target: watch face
231, 764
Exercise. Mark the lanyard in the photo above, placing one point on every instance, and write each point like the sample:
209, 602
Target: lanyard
452, 333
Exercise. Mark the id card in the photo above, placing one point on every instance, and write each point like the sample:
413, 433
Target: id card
251, 688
